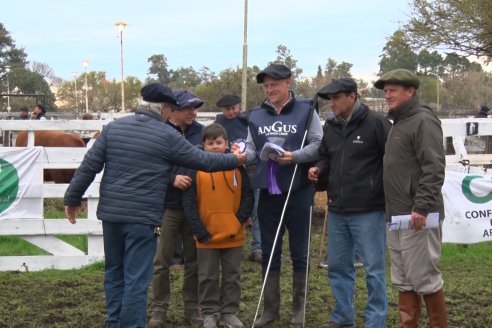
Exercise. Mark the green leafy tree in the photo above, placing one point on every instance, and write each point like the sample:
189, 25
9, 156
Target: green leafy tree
9, 53
159, 69
184, 78
24, 81
397, 53
459, 25
284, 57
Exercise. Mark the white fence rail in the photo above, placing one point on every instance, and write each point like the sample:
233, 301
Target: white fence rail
42, 232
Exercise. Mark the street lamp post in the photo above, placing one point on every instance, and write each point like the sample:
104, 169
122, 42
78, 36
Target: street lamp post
121, 27
85, 62
75, 91
7, 69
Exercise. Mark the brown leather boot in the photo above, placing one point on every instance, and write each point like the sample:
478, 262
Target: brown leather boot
409, 305
436, 309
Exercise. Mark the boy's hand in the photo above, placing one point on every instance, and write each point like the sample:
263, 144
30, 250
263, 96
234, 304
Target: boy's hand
182, 182
241, 157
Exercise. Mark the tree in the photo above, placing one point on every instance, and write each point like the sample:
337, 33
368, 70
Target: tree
397, 53
46, 72
159, 68
9, 54
464, 26
285, 58
184, 78
24, 81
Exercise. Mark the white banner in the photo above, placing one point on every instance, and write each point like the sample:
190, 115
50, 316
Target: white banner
21, 183
468, 208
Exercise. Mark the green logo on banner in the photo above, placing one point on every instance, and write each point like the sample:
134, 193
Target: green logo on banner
465, 187
9, 184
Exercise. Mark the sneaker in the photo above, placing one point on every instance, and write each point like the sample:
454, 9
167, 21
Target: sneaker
158, 319
255, 256
322, 264
230, 321
210, 321
358, 263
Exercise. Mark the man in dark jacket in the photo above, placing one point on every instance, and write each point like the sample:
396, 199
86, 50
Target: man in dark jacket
137, 153
176, 235
351, 165
293, 125
414, 164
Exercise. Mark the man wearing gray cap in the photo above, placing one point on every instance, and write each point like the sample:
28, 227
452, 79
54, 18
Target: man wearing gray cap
351, 167
136, 153
414, 164
294, 126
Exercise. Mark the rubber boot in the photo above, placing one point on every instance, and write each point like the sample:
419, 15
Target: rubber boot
436, 309
410, 305
271, 304
298, 297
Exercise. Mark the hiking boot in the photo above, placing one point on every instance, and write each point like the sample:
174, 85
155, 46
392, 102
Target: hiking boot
193, 317
158, 319
230, 321
210, 321
255, 256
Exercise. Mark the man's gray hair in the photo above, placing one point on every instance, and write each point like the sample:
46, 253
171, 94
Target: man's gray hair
154, 107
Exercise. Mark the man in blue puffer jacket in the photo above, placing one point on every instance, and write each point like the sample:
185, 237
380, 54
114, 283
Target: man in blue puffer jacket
137, 153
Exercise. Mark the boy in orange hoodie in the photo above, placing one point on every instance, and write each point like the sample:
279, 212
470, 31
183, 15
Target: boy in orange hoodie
216, 205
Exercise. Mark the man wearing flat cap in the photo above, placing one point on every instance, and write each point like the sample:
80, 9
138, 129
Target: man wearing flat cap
137, 153
176, 237
414, 164
235, 123
293, 126
351, 167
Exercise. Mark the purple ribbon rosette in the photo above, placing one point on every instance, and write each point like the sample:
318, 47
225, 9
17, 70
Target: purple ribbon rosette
269, 153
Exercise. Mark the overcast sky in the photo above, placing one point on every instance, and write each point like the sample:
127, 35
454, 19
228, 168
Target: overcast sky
61, 33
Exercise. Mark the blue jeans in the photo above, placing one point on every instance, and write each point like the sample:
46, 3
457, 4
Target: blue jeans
256, 240
129, 250
367, 232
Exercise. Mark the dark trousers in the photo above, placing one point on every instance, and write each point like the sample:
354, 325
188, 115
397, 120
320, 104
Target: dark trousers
219, 280
296, 220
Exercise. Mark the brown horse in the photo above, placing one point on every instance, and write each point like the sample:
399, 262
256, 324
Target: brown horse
53, 139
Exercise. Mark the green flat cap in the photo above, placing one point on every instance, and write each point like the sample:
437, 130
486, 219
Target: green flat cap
398, 76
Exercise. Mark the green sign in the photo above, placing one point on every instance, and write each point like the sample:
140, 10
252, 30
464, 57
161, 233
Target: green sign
9, 184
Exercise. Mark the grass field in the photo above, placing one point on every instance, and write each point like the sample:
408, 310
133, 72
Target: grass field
75, 298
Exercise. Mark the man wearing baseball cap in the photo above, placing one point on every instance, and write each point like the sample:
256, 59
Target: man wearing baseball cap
176, 236
414, 164
293, 125
137, 153
351, 164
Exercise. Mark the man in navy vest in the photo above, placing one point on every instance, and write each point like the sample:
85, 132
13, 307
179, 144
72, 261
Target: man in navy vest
174, 223
293, 127
235, 123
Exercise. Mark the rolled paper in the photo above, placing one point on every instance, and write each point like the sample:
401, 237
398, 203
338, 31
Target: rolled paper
273, 188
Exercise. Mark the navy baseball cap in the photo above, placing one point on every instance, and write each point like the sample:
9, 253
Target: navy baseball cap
187, 99
275, 71
337, 86
158, 93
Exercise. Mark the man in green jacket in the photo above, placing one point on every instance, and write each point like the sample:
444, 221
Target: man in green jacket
413, 175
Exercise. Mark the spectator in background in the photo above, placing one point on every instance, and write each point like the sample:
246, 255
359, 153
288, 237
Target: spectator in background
235, 123
137, 153
183, 120
483, 113
39, 112
24, 113
413, 176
